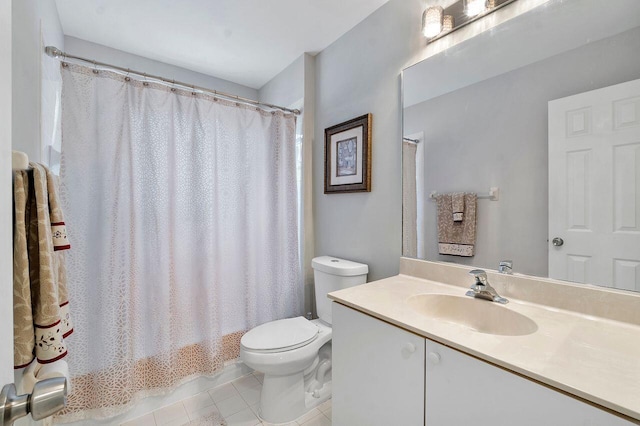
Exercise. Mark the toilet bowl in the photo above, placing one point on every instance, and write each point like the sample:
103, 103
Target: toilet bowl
295, 353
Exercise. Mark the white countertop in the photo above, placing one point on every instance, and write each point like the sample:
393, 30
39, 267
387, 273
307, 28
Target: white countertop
590, 357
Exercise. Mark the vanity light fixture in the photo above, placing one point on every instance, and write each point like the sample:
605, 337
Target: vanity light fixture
438, 22
432, 21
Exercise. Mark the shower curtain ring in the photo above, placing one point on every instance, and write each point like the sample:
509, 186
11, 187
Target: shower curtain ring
95, 67
126, 77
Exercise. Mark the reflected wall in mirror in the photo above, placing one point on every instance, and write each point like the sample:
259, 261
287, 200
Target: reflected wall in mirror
545, 107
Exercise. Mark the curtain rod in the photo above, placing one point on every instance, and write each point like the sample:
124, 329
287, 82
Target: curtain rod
54, 52
416, 141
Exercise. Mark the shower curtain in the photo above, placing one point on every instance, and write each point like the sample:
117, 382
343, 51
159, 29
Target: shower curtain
409, 200
182, 209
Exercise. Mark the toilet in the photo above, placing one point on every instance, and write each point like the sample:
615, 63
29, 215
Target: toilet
295, 353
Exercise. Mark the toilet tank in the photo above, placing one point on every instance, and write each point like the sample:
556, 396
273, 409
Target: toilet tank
331, 274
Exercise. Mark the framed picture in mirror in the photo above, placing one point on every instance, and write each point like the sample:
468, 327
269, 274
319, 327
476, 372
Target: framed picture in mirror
347, 156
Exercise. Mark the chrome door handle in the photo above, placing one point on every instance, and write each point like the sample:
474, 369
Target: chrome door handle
48, 397
557, 242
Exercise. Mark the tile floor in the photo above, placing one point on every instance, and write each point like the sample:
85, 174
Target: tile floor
237, 402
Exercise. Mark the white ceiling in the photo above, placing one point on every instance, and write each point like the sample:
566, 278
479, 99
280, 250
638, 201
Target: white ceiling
244, 41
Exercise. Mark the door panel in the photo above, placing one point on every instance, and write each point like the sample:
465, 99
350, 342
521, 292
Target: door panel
6, 231
378, 372
461, 390
594, 187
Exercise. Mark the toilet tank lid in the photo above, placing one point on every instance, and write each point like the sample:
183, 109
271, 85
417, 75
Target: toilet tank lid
341, 267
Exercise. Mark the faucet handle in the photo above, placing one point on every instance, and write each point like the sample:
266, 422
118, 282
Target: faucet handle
480, 276
506, 267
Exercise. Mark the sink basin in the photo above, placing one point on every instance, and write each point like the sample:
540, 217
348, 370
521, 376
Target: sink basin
479, 315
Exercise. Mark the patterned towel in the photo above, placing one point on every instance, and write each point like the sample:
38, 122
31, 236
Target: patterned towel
456, 238
457, 205
58, 228
41, 306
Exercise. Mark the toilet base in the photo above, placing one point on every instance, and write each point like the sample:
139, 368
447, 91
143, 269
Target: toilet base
284, 398
294, 381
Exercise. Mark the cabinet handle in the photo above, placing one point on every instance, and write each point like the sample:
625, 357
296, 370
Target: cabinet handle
408, 348
434, 358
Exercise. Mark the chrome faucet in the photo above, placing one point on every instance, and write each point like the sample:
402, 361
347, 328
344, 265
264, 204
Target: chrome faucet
506, 267
481, 288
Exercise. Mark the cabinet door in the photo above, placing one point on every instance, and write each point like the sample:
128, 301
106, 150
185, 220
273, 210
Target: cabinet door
461, 390
378, 372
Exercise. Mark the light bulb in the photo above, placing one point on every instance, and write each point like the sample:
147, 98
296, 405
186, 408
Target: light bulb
447, 23
474, 7
432, 21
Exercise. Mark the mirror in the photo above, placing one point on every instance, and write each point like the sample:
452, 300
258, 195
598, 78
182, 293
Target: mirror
543, 107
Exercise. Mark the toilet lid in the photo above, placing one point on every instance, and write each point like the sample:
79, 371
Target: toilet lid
285, 334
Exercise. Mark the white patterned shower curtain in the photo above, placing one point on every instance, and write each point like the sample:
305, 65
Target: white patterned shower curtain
182, 210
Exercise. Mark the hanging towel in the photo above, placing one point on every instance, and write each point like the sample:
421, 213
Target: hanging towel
58, 228
41, 311
36, 372
456, 238
60, 243
457, 205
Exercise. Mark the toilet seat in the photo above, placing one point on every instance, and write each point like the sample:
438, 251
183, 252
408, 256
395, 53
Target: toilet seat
281, 335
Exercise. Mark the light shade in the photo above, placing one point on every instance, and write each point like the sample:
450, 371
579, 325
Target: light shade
432, 21
474, 7
447, 23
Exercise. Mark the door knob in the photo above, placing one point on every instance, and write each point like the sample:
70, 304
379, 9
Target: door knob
49, 396
557, 242
407, 349
434, 358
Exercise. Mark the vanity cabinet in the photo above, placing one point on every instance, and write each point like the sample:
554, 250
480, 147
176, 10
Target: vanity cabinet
384, 375
462, 390
377, 372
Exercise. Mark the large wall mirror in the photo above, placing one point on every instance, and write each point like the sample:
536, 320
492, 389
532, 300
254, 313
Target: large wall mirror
545, 107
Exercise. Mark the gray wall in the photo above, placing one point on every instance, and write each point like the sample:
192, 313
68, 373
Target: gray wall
287, 87
308, 132
358, 74
108, 55
494, 133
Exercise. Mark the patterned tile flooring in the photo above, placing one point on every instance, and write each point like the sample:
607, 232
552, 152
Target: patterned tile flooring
236, 402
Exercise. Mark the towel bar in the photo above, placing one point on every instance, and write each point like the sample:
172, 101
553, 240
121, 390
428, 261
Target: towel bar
493, 195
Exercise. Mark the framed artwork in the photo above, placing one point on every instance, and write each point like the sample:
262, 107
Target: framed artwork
347, 156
